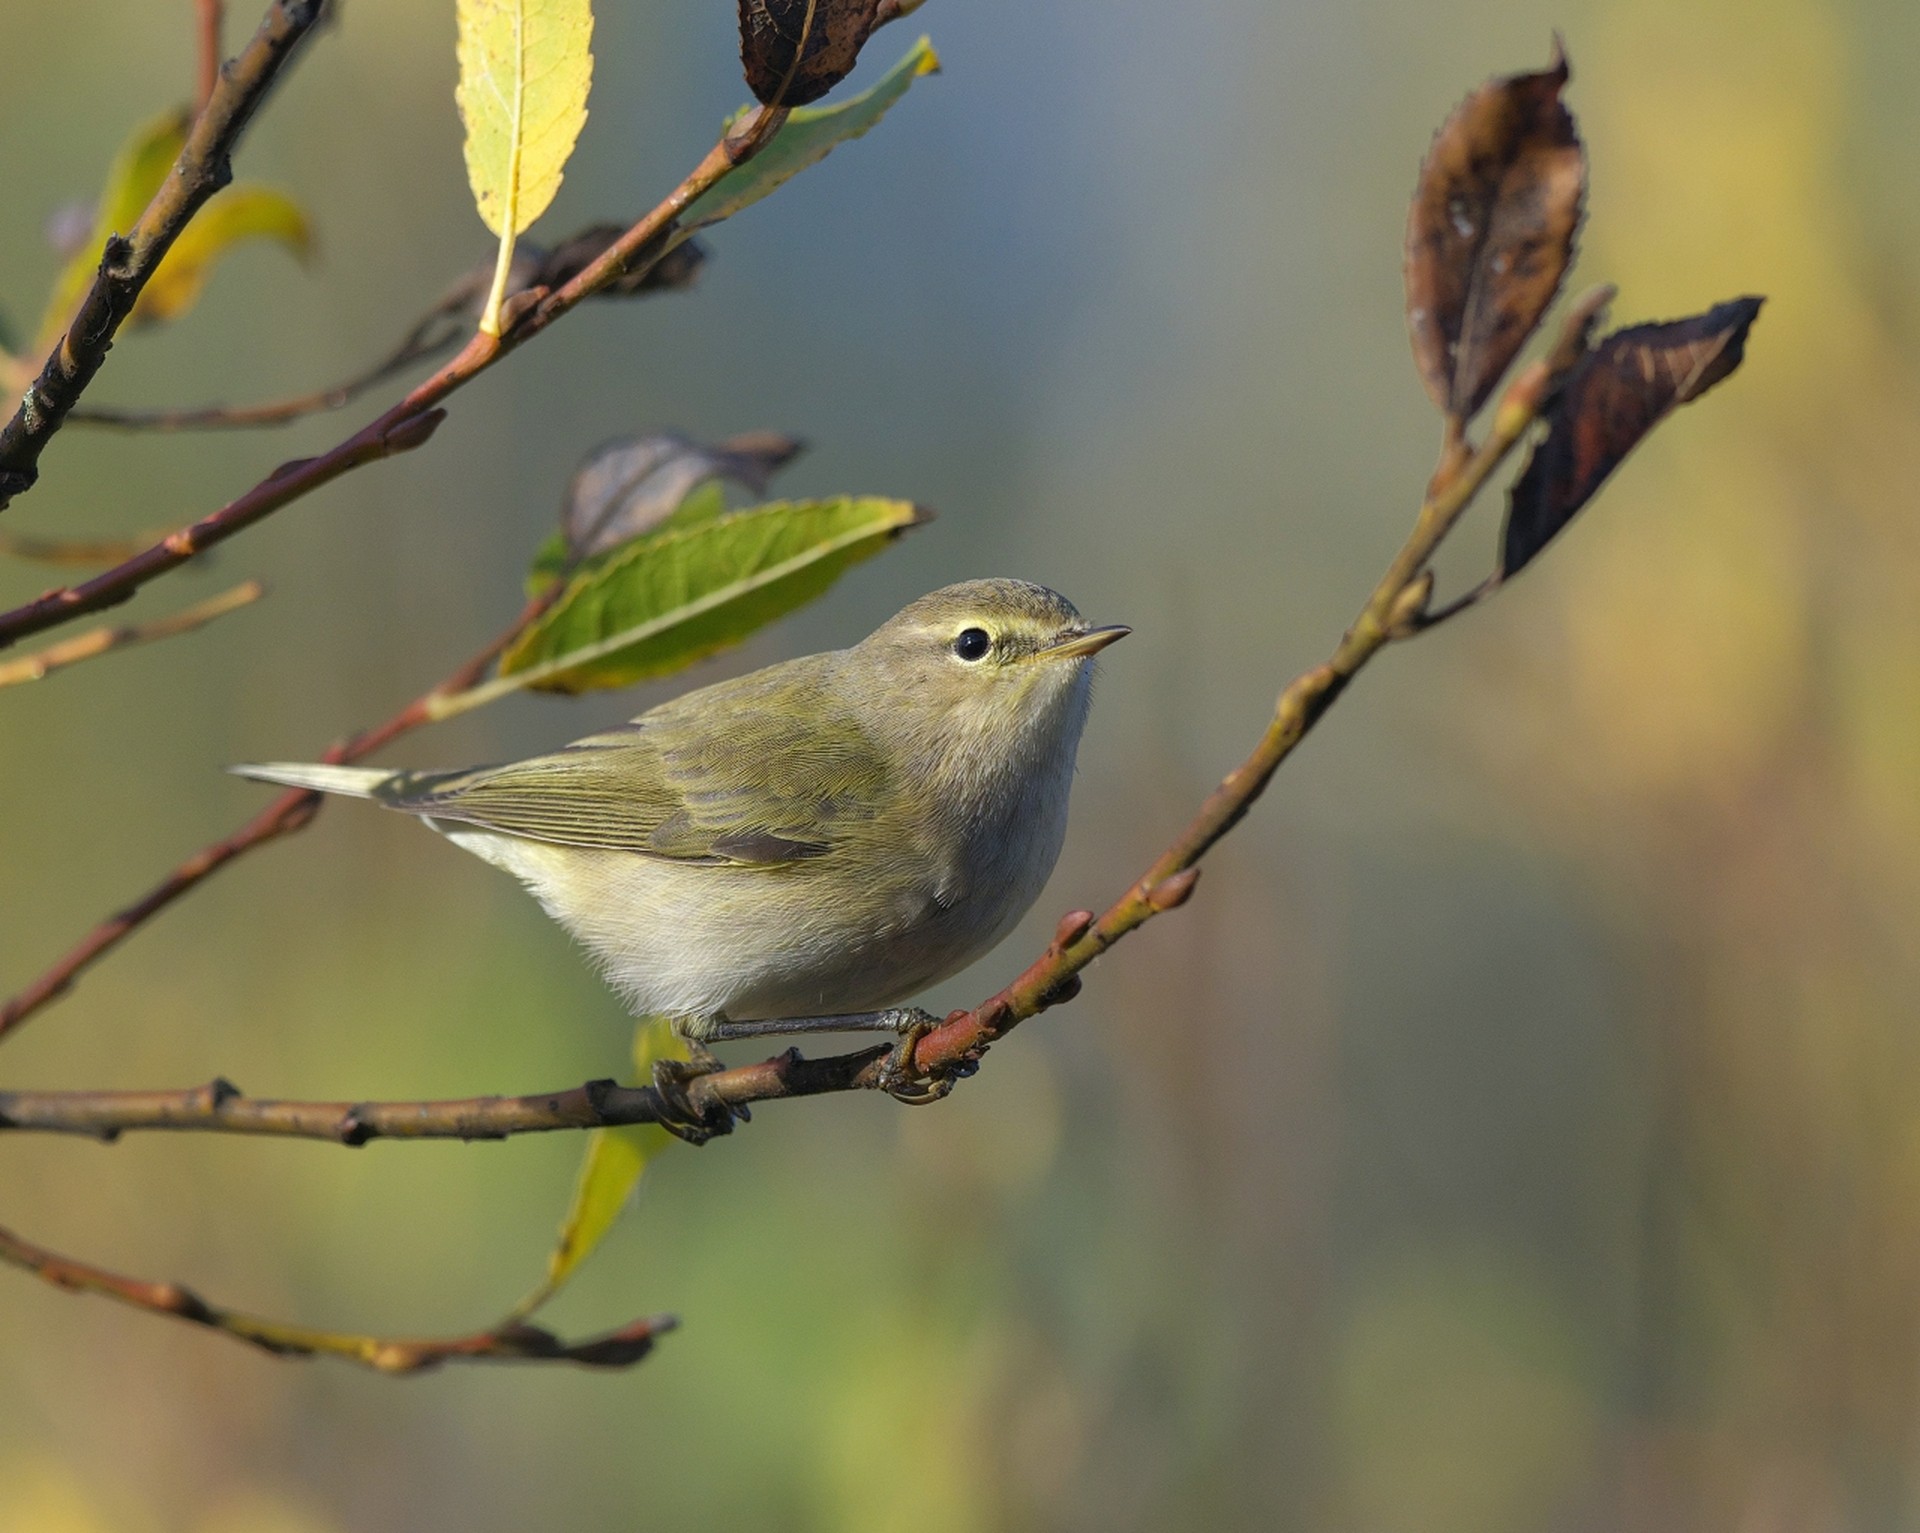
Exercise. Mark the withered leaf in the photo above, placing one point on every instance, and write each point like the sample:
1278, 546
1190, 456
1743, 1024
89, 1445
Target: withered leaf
1613, 397
795, 51
631, 486
1491, 232
672, 272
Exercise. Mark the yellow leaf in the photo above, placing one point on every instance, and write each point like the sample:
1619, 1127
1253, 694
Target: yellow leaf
236, 214
525, 68
610, 1171
137, 171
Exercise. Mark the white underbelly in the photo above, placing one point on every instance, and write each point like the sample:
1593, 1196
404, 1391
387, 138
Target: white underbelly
751, 943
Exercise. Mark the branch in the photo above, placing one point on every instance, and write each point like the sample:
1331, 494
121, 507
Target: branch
291, 811
101, 640
129, 261
949, 1050
410, 422
511, 1342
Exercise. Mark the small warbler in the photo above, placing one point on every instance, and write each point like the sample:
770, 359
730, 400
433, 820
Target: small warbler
803, 848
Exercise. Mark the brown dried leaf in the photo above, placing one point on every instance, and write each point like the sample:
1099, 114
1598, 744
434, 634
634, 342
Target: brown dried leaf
672, 272
633, 485
1614, 396
1491, 232
795, 51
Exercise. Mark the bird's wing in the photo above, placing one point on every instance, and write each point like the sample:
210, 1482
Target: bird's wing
753, 774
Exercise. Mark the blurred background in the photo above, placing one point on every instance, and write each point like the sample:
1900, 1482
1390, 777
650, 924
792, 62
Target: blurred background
1520, 1130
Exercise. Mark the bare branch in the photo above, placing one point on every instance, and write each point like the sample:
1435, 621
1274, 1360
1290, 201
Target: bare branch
100, 641
129, 261
511, 1342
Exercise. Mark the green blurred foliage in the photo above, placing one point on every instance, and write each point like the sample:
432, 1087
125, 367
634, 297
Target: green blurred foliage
1520, 1129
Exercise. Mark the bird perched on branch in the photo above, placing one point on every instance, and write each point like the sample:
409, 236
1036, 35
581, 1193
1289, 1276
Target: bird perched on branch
806, 847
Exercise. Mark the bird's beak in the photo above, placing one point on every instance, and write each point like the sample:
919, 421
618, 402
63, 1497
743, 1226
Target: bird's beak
1089, 641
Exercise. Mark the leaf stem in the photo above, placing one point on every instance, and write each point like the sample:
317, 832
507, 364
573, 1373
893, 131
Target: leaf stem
497, 294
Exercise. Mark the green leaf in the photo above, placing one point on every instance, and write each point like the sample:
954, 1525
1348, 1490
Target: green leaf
238, 214
525, 69
610, 1171
137, 171
665, 600
808, 136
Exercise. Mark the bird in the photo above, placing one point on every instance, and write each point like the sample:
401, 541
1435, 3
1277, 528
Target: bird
806, 847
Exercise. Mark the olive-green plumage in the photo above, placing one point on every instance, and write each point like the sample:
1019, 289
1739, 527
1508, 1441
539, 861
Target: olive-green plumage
826, 836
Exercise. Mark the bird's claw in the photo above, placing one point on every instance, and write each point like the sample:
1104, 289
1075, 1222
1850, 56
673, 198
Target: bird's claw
680, 1117
900, 1074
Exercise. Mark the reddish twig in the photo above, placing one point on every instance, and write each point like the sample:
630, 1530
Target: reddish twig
411, 421
209, 15
202, 169
290, 812
512, 1342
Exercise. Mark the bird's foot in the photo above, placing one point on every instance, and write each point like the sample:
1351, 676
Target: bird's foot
680, 1116
900, 1074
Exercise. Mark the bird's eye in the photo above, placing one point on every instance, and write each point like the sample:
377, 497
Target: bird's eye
973, 644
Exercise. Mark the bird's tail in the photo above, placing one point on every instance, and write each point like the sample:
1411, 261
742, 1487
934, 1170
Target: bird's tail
353, 782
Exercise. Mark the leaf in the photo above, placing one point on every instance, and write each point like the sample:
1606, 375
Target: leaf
1491, 233
610, 1172
795, 51
525, 69
661, 602
1614, 396
137, 171
235, 215
809, 136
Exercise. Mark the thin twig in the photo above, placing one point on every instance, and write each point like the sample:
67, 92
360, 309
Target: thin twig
411, 421
290, 812
956, 1044
510, 1343
276, 412
210, 14
438, 331
99, 641
202, 169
